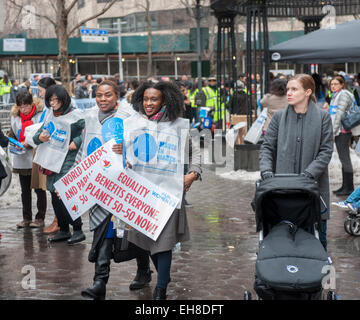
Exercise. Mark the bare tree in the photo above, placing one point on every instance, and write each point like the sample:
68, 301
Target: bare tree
149, 40
145, 5
60, 21
208, 54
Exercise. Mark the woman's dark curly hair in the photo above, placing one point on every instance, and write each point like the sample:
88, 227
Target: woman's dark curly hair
172, 97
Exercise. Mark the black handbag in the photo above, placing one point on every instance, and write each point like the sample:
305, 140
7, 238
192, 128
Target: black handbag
351, 118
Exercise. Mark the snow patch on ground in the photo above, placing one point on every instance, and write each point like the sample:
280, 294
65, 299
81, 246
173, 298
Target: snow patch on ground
334, 171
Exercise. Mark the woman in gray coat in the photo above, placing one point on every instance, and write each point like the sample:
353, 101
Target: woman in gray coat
341, 102
299, 140
160, 102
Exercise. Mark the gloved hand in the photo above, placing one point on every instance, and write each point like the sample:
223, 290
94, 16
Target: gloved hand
267, 175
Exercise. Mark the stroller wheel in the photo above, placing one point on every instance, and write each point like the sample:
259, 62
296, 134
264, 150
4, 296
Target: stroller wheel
347, 223
247, 295
355, 227
331, 295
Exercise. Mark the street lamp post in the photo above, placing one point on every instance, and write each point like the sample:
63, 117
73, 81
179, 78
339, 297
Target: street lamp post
198, 49
121, 73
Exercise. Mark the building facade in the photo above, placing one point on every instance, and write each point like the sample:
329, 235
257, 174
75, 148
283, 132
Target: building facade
172, 25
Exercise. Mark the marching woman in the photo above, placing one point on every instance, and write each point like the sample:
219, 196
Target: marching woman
299, 140
342, 100
43, 84
24, 113
101, 221
163, 104
58, 140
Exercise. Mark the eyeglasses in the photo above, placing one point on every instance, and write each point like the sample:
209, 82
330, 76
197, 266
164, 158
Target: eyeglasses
25, 106
53, 100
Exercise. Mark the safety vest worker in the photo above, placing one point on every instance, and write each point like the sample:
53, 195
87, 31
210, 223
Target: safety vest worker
212, 97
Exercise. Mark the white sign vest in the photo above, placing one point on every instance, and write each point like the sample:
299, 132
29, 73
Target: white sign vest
93, 129
22, 161
125, 110
51, 155
93, 138
156, 150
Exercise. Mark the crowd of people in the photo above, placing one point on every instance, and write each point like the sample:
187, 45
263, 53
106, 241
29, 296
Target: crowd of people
40, 164
304, 118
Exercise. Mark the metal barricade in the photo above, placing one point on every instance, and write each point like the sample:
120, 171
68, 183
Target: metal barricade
5, 123
83, 104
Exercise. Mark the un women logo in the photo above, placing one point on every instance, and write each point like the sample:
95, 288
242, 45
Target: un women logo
145, 147
93, 145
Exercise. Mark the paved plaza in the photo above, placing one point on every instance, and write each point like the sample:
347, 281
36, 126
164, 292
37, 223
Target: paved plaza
216, 264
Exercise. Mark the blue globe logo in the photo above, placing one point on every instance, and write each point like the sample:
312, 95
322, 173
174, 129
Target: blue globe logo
50, 127
145, 147
113, 128
93, 145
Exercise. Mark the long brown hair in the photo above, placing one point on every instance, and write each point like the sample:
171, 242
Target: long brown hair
341, 80
307, 82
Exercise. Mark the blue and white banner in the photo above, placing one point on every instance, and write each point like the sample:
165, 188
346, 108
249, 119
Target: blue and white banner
156, 151
51, 155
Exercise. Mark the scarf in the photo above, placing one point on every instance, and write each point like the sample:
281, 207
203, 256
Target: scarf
286, 144
25, 122
105, 116
157, 116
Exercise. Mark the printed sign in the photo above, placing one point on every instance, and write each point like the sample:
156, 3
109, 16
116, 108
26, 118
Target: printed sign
128, 195
71, 186
17, 44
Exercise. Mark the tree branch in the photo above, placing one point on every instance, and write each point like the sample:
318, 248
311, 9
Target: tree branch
36, 14
71, 7
106, 8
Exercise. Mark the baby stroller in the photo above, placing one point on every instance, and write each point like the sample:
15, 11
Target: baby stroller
291, 261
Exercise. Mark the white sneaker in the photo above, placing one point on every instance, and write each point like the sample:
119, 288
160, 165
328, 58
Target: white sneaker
341, 204
353, 207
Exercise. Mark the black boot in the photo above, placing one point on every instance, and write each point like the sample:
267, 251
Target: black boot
343, 181
348, 184
143, 274
77, 236
60, 236
96, 292
102, 272
159, 294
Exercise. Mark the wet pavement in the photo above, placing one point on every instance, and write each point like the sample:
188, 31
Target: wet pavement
216, 264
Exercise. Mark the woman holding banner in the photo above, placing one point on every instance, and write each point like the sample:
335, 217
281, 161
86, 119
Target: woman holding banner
97, 122
162, 103
58, 140
43, 84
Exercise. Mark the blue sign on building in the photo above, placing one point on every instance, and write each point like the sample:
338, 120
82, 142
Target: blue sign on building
93, 32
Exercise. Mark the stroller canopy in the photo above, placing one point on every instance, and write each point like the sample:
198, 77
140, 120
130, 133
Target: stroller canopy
292, 198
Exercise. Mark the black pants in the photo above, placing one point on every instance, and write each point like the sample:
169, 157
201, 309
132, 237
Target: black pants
25, 183
342, 145
62, 215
